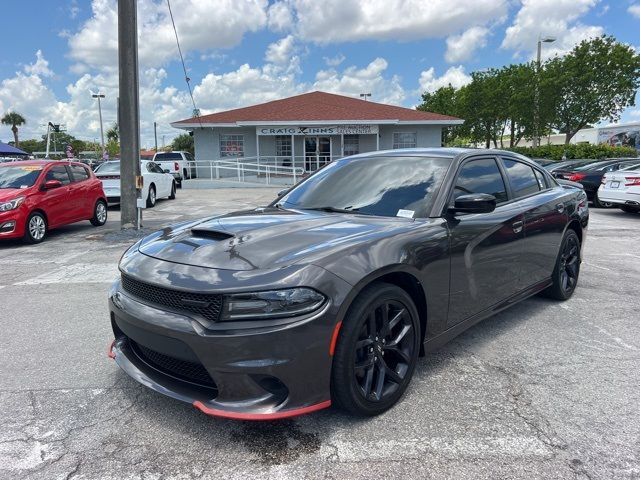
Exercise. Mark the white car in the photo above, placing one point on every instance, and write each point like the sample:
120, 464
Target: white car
156, 182
622, 189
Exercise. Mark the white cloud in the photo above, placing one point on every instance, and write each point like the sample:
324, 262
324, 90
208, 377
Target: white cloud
461, 48
40, 67
96, 44
454, 76
353, 81
334, 61
549, 18
634, 10
351, 20
280, 16
281, 52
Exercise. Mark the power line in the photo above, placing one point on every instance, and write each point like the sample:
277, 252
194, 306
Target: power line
184, 68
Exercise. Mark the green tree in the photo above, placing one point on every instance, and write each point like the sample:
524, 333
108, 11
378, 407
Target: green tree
15, 120
32, 145
597, 80
113, 133
183, 142
444, 101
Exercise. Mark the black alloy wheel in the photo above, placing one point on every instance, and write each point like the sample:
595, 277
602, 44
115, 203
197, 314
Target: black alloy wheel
567, 269
377, 350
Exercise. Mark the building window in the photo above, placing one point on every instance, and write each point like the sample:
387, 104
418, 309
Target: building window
283, 146
405, 140
351, 144
232, 145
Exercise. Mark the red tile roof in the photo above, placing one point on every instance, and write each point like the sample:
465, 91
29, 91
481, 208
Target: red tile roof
318, 106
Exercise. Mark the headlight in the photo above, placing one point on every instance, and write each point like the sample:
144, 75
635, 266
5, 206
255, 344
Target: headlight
271, 304
11, 205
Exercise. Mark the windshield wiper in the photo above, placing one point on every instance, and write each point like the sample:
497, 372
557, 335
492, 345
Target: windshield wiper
334, 209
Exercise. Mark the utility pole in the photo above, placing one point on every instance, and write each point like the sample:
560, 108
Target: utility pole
99, 96
536, 93
129, 112
155, 134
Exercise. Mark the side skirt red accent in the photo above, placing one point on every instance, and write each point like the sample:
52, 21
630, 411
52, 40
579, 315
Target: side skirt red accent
260, 416
110, 353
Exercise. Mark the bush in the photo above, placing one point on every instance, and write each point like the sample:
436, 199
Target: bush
580, 150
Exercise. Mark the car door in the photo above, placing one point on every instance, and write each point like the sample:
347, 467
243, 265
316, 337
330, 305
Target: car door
544, 205
485, 248
164, 181
152, 177
55, 201
80, 197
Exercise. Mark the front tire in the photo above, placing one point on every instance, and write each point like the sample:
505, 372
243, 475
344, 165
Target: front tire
99, 214
376, 352
151, 196
35, 229
567, 269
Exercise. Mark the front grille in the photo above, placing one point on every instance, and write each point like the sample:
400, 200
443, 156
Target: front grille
206, 304
181, 369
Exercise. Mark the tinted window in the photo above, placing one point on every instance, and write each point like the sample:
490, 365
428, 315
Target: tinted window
189, 157
58, 172
523, 180
155, 168
162, 157
79, 173
109, 167
542, 181
373, 186
19, 177
481, 176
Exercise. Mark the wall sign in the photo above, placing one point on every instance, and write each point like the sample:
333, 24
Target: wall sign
323, 130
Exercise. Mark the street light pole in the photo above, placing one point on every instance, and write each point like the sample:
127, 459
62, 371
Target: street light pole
99, 96
536, 94
365, 95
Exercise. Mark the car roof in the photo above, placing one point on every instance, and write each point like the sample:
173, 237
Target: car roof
442, 152
41, 163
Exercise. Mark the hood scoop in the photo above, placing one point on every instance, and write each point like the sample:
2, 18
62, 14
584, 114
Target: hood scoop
211, 234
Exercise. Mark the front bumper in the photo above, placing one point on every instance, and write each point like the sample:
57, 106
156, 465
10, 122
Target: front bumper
271, 372
12, 223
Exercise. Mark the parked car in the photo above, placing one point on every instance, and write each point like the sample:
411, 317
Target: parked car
329, 294
179, 164
543, 162
156, 182
622, 189
37, 196
590, 175
564, 164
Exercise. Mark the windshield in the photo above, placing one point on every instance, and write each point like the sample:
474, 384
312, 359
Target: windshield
109, 167
384, 186
19, 176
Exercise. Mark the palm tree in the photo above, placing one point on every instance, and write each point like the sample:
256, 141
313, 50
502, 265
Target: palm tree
14, 119
113, 133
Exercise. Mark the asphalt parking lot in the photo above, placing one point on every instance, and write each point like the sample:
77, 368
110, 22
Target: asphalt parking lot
543, 390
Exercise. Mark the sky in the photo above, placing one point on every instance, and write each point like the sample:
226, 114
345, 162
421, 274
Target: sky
242, 52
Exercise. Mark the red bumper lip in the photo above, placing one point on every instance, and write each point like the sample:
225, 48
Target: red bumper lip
261, 416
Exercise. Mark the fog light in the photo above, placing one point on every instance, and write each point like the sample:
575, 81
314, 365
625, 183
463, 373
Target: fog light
7, 227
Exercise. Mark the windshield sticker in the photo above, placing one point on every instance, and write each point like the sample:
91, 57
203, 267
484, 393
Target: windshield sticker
24, 186
30, 168
405, 213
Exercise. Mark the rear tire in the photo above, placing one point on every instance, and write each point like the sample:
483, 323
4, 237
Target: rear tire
629, 209
172, 196
99, 214
35, 229
567, 269
376, 352
151, 196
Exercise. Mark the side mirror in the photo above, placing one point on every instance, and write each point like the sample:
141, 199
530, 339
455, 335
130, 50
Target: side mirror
282, 192
166, 170
474, 203
51, 184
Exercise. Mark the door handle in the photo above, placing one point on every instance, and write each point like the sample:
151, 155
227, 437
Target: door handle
517, 226
560, 207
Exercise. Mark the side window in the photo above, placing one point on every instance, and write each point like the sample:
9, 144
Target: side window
79, 173
149, 167
542, 181
481, 176
156, 168
522, 178
58, 172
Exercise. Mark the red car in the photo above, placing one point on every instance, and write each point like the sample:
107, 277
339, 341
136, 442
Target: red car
39, 195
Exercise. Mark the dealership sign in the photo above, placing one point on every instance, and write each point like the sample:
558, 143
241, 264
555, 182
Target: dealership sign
324, 130
625, 136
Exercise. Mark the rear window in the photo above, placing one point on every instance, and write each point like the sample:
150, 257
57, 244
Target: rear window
163, 157
522, 178
109, 167
79, 173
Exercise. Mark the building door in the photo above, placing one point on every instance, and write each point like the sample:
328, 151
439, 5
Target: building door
317, 152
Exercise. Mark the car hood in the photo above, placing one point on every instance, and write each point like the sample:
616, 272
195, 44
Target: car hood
265, 238
7, 194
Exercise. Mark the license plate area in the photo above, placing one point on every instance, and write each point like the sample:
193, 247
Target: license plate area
614, 185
